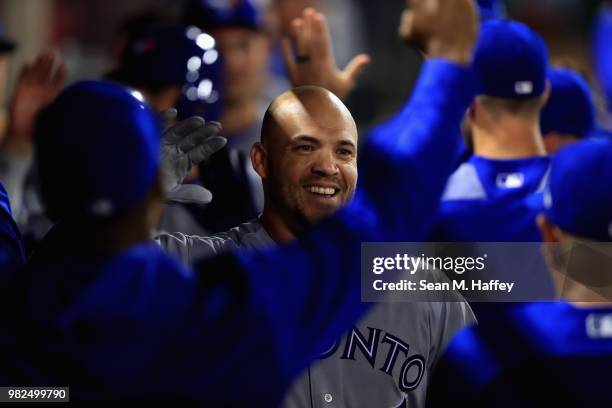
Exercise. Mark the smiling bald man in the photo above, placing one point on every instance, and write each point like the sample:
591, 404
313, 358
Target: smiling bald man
307, 160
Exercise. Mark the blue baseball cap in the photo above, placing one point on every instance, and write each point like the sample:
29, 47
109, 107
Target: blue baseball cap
203, 92
579, 198
491, 9
97, 151
164, 56
211, 14
510, 61
570, 109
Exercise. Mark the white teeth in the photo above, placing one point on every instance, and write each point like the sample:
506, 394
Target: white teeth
322, 190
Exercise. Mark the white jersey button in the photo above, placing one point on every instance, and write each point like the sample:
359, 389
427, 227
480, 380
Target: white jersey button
328, 397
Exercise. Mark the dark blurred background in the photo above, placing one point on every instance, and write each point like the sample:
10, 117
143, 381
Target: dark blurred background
85, 33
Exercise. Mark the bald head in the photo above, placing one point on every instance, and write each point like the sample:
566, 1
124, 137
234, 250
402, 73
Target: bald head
306, 107
307, 157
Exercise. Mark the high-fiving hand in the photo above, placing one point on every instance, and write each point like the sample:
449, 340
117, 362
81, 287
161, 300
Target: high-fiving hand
37, 86
310, 60
186, 144
441, 28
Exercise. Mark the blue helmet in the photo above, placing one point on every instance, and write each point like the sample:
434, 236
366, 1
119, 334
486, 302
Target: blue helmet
202, 93
161, 56
578, 198
570, 109
97, 150
175, 56
211, 14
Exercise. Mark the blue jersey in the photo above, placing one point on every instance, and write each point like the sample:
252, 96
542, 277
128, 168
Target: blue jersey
491, 201
12, 254
529, 355
238, 328
603, 51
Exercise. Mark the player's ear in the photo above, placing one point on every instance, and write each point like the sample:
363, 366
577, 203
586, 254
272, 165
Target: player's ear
549, 232
259, 159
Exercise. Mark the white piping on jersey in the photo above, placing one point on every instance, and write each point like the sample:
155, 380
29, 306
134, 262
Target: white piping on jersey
544, 183
464, 184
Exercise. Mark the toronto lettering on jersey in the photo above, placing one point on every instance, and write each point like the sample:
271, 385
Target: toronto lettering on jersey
384, 352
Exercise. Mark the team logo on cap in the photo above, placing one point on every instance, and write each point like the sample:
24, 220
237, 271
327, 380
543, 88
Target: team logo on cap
523, 88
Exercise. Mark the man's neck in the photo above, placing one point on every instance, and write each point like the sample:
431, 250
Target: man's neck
280, 229
511, 139
239, 115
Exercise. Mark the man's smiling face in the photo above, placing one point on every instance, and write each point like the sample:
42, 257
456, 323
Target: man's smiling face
311, 156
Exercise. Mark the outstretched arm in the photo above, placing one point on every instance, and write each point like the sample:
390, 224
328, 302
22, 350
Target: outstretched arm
602, 50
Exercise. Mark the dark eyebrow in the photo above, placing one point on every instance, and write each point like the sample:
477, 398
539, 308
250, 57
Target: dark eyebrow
346, 142
306, 138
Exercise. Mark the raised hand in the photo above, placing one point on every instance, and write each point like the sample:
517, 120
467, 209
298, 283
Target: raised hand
186, 144
37, 86
310, 60
441, 28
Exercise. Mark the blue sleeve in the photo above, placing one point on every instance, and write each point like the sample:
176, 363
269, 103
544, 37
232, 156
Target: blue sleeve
602, 50
12, 254
310, 291
421, 147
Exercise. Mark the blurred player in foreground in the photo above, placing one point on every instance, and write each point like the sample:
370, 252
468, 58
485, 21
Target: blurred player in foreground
549, 354
307, 159
101, 308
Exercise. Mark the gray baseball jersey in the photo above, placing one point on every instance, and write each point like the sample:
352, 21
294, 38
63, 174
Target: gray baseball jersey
384, 361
